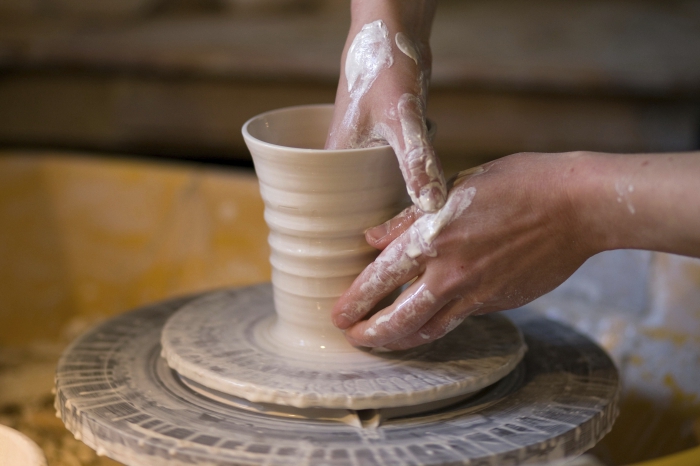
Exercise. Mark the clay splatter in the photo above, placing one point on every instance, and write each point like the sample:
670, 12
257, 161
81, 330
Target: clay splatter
368, 55
623, 193
407, 46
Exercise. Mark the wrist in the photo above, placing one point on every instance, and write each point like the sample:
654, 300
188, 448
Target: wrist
611, 208
584, 179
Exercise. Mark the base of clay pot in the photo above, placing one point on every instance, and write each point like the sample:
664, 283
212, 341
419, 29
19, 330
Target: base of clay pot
222, 341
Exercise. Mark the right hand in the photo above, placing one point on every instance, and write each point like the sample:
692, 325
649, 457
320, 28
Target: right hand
507, 234
515, 229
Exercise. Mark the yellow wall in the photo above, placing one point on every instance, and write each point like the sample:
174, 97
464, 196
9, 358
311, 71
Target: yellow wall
97, 236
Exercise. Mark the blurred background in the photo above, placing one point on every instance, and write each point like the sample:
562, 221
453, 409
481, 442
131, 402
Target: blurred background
177, 78
124, 178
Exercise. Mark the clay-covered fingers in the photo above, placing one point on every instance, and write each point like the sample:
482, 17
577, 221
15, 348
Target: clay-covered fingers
410, 312
392, 269
382, 235
467, 174
443, 322
419, 164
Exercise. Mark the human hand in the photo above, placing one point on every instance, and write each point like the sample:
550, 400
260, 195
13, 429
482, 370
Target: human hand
507, 234
385, 71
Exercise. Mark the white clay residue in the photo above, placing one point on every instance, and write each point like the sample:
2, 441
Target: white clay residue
418, 155
455, 320
406, 46
420, 160
421, 236
415, 133
431, 169
452, 324
378, 135
623, 193
423, 295
392, 265
405, 312
469, 173
424, 230
368, 55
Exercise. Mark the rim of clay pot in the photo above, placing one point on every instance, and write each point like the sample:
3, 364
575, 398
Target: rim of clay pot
327, 107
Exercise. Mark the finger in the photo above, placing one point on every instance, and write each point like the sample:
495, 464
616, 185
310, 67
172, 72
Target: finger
338, 137
467, 174
420, 166
338, 134
401, 261
411, 310
343, 133
390, 270
443, 322
382, 235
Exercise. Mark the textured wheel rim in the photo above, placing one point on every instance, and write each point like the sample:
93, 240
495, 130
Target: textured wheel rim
116, 394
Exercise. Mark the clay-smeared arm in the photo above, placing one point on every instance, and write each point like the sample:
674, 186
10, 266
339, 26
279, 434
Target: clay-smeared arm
513, 230
385, 71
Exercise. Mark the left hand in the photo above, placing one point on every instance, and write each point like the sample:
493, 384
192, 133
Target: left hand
385, 100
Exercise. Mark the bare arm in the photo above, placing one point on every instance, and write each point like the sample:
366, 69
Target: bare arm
513, 230
657, 197
385, 72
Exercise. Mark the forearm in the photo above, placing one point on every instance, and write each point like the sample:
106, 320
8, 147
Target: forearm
638, 201
413, 17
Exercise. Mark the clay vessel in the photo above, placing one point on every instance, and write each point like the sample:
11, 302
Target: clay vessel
16, 449
318, 203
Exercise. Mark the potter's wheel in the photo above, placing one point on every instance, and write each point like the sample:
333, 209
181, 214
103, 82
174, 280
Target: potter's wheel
217, 341
118, 395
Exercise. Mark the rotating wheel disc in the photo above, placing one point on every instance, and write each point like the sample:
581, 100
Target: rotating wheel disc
115, 392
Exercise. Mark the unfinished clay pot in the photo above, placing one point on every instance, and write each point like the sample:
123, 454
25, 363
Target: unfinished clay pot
276, 343
318, 203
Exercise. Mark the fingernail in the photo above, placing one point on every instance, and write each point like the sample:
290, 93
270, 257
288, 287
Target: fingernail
377, 233
431, 199
342, 321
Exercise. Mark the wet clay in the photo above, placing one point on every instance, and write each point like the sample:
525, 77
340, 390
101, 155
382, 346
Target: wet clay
369, 53
229, 341
318, 204
285, 350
